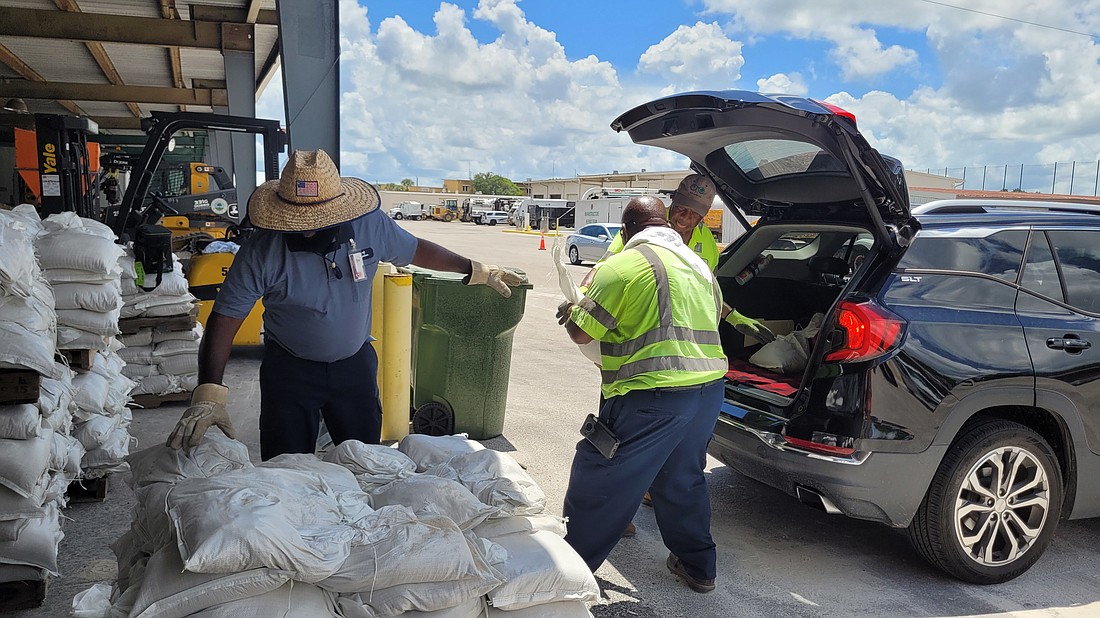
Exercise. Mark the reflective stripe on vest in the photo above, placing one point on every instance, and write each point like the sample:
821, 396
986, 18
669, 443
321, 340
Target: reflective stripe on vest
598, 313
665, 331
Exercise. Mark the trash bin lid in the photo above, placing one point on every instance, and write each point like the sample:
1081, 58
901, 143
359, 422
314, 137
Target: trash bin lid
439, 277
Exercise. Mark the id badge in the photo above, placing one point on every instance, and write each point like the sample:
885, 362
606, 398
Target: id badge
358, 272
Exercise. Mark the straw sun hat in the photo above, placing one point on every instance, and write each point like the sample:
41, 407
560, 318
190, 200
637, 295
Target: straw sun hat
310, 195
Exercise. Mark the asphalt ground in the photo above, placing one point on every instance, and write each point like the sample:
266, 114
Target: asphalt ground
775, 556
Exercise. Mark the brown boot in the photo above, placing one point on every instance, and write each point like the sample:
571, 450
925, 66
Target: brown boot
630, 531
677, 568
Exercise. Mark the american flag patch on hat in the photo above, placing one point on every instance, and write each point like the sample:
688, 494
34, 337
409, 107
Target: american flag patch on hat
305, 188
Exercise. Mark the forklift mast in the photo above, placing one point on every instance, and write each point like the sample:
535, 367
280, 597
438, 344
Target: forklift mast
160, 128
58, 164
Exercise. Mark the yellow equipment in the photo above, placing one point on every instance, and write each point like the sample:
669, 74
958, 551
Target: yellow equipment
205, 275
443, 213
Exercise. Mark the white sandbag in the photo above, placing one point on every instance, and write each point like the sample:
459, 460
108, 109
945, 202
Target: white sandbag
573, 294
497, 480
139, 355
28, 329
101, 323
194, 334
170, 591
22, 462
126, 265
71, 221
291, 599
789, 353
261, 517
473, 608
18, 572
372, 464
157, 385
17, 506
171, 309
27, 214
560, 609
143, 337
428, 451
337, 477
180, 364
68, 275
56, 394
432, 495
76, 249
189, 382
18, 266
99, 297
107, 364
542, 568
19, 422
94, 602
503, 526
136, 372
94, 432
76, 339
403, 548
215, 454
110, 456
91, 393
176, 346
36, 542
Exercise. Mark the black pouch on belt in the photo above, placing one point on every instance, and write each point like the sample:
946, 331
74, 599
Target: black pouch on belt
600, 436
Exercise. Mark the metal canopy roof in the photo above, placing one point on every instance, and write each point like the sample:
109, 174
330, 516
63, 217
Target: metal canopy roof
115, 61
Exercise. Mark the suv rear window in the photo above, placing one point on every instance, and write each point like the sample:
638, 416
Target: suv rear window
768, 158
998, 255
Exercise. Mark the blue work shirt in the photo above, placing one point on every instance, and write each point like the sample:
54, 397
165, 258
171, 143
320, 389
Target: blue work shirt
307, 309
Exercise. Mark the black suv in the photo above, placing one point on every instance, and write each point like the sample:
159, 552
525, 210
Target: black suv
951, 388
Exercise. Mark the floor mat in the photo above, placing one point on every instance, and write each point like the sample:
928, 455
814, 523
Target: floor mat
744, 372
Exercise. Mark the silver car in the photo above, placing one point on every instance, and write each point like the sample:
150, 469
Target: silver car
590, 243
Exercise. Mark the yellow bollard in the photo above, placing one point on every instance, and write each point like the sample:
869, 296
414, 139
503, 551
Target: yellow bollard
378, 315
396, 365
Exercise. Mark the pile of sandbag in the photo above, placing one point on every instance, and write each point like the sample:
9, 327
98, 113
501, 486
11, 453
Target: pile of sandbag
161, 358
102, 417
38, 457
80, 260
358, 533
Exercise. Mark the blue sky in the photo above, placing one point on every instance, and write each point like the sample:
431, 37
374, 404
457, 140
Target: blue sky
527, 88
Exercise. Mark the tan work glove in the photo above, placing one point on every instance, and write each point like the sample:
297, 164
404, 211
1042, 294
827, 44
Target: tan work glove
500, 279
748, 326
207, 408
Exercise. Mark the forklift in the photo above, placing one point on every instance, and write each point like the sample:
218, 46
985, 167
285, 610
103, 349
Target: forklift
57, 165
144, 217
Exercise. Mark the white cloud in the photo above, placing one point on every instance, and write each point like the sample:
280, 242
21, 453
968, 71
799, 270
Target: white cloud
695, 57
783, 83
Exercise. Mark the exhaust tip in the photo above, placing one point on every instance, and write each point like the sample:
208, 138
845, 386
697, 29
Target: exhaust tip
813, 498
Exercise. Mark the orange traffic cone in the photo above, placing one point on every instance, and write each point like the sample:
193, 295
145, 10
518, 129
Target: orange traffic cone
542, 242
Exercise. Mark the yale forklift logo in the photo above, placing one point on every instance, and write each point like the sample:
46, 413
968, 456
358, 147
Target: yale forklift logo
49, 159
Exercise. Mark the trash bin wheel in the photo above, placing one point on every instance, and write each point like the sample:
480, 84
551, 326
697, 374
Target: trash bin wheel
434, 419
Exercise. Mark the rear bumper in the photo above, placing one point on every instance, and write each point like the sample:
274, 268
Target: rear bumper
882, 487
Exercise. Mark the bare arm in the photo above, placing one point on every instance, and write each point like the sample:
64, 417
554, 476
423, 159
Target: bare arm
217, 342
433, 256
578, 336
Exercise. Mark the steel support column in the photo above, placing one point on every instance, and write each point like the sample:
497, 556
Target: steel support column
309, 39
220, 153
240, 77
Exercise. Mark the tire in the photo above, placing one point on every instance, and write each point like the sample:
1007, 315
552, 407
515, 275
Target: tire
398, 216
574, 255
952, 505
447, 218
492, 222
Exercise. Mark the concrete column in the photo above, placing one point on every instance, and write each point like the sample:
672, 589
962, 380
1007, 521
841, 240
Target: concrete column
309, 39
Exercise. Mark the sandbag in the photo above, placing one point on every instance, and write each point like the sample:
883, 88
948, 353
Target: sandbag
101, 297
94, 432
173, 347
170, 591
110, 455
16, 506
561, 609
157, 385
497, 480
291, 599
194, 334
428, 451
261, 517
373, 465
789, 353
188, 381
139, 355
18, 266
214, 455
76, 339
542, 568
22, 462
143, 337
432, 495
179, 364
94, 602
91, 394
402, 549
68, 275
28, 330
473, 608
19, 422
77, 249
495, 528
18, 572
36, 542
100, 323
337, 477
136, 372
181, 307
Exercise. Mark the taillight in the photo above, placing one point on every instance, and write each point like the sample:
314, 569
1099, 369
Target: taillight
869, 331
839, 111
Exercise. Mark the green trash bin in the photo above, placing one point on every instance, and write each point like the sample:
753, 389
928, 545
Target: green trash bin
461, 354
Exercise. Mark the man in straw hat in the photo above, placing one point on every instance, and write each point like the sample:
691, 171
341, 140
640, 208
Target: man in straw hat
312, 260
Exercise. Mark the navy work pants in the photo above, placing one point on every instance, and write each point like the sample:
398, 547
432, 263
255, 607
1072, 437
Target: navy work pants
296, 393
663, 436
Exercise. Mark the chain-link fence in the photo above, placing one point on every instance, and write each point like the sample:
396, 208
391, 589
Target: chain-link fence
1072, 178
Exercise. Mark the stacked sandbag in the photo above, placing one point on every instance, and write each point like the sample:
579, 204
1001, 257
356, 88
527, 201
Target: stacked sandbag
38, 457
80, 260
102, 416
214, 535
143, 297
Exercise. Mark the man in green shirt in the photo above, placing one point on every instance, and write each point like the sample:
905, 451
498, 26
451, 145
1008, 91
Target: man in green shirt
654, 308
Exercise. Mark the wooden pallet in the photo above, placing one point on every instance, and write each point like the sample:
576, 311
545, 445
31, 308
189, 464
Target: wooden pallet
78, 359
88, 490
23, 594
148, 402
130, 326
18, 386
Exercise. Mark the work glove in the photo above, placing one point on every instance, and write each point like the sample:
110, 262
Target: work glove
749, 327
500, 279
207, 408
565, 310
